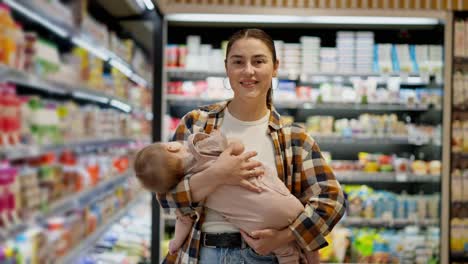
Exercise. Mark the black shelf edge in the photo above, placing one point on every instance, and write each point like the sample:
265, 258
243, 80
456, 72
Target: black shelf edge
358, 176
304, 104
75, 91
313, 78
25, 152
459, 256
369, 140
390, 223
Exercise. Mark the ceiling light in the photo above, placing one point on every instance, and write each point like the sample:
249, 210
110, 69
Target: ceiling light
192, 17
121, 66
120, 105
140, 4
37, 18
139, 80
149, 4
87, 45
91, 97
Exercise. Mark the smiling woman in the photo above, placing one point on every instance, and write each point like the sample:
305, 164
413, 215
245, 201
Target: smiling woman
292, 156
251, 64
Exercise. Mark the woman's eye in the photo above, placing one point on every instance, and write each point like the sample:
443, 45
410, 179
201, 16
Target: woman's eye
259, 61
237, 62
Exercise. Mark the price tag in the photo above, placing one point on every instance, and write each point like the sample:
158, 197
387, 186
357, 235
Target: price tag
404, 77
401, 177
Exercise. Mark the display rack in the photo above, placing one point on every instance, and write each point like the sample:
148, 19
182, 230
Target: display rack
25, 152
84, 246
458, 147
66, 204
112, 184
82, 39
180, 100
74, 91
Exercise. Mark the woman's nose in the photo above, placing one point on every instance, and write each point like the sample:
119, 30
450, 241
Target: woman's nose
249, 69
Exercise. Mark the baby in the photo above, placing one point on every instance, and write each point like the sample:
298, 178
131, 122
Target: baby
160, 166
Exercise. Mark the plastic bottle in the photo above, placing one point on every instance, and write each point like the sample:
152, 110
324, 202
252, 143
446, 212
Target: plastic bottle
7, 33
24, 249
3, 137
20, 47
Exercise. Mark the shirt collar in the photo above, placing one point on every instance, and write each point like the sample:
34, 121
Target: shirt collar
218, 110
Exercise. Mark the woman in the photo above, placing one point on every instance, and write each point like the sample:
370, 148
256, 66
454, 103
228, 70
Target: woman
251, 64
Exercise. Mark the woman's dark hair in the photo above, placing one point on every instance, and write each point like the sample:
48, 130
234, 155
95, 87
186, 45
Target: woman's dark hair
263, 37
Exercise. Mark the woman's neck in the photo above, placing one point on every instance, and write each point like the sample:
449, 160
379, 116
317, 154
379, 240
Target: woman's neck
246, 111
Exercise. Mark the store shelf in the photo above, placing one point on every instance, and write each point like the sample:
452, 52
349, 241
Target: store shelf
460, 60
66, 204
85, 197
24, 152
460, 156
89, 241
459, 256
406, 79
193, 74
360, 176
75, 91
76, 36
180, 100
391, 223
366, 140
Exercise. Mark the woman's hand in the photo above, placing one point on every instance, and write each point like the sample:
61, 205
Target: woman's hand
228, 169
264, 242
237, 169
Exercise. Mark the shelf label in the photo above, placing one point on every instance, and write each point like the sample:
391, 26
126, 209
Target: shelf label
401, 177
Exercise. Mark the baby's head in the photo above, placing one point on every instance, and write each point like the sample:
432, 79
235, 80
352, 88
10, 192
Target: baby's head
160, 166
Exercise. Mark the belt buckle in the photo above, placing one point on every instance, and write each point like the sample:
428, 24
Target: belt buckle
204, 242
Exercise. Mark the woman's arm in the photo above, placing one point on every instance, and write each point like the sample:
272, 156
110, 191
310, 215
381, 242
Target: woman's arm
322, 195
228, 169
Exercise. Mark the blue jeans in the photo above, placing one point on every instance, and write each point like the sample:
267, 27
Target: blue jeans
234, 256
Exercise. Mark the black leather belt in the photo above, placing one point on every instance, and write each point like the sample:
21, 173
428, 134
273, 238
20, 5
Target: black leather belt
222, 240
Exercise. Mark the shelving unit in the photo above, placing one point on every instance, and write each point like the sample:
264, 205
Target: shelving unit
81, 39
25, 152
74, 91
406, 79
84, 246
458, 138
65, 204
180, 100
357, 176
390, 223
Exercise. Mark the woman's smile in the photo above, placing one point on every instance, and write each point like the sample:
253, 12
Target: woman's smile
248, 83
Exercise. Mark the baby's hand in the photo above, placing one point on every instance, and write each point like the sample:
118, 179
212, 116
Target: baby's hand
185, 219
237, 146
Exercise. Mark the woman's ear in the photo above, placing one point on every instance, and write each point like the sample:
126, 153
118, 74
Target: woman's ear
275, 68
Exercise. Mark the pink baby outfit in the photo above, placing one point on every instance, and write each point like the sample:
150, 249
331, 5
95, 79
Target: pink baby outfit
275, 207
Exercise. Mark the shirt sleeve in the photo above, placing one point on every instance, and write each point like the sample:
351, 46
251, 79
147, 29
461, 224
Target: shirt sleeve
179, 198
323, 198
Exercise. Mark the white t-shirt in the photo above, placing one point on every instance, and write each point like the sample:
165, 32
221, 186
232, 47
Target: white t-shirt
254, 136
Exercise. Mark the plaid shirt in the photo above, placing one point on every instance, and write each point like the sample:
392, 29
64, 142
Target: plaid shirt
300, 166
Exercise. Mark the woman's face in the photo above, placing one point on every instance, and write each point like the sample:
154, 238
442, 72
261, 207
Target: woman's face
250, 68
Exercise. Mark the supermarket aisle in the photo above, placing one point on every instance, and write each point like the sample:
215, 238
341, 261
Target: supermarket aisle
75, 105
126, 239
